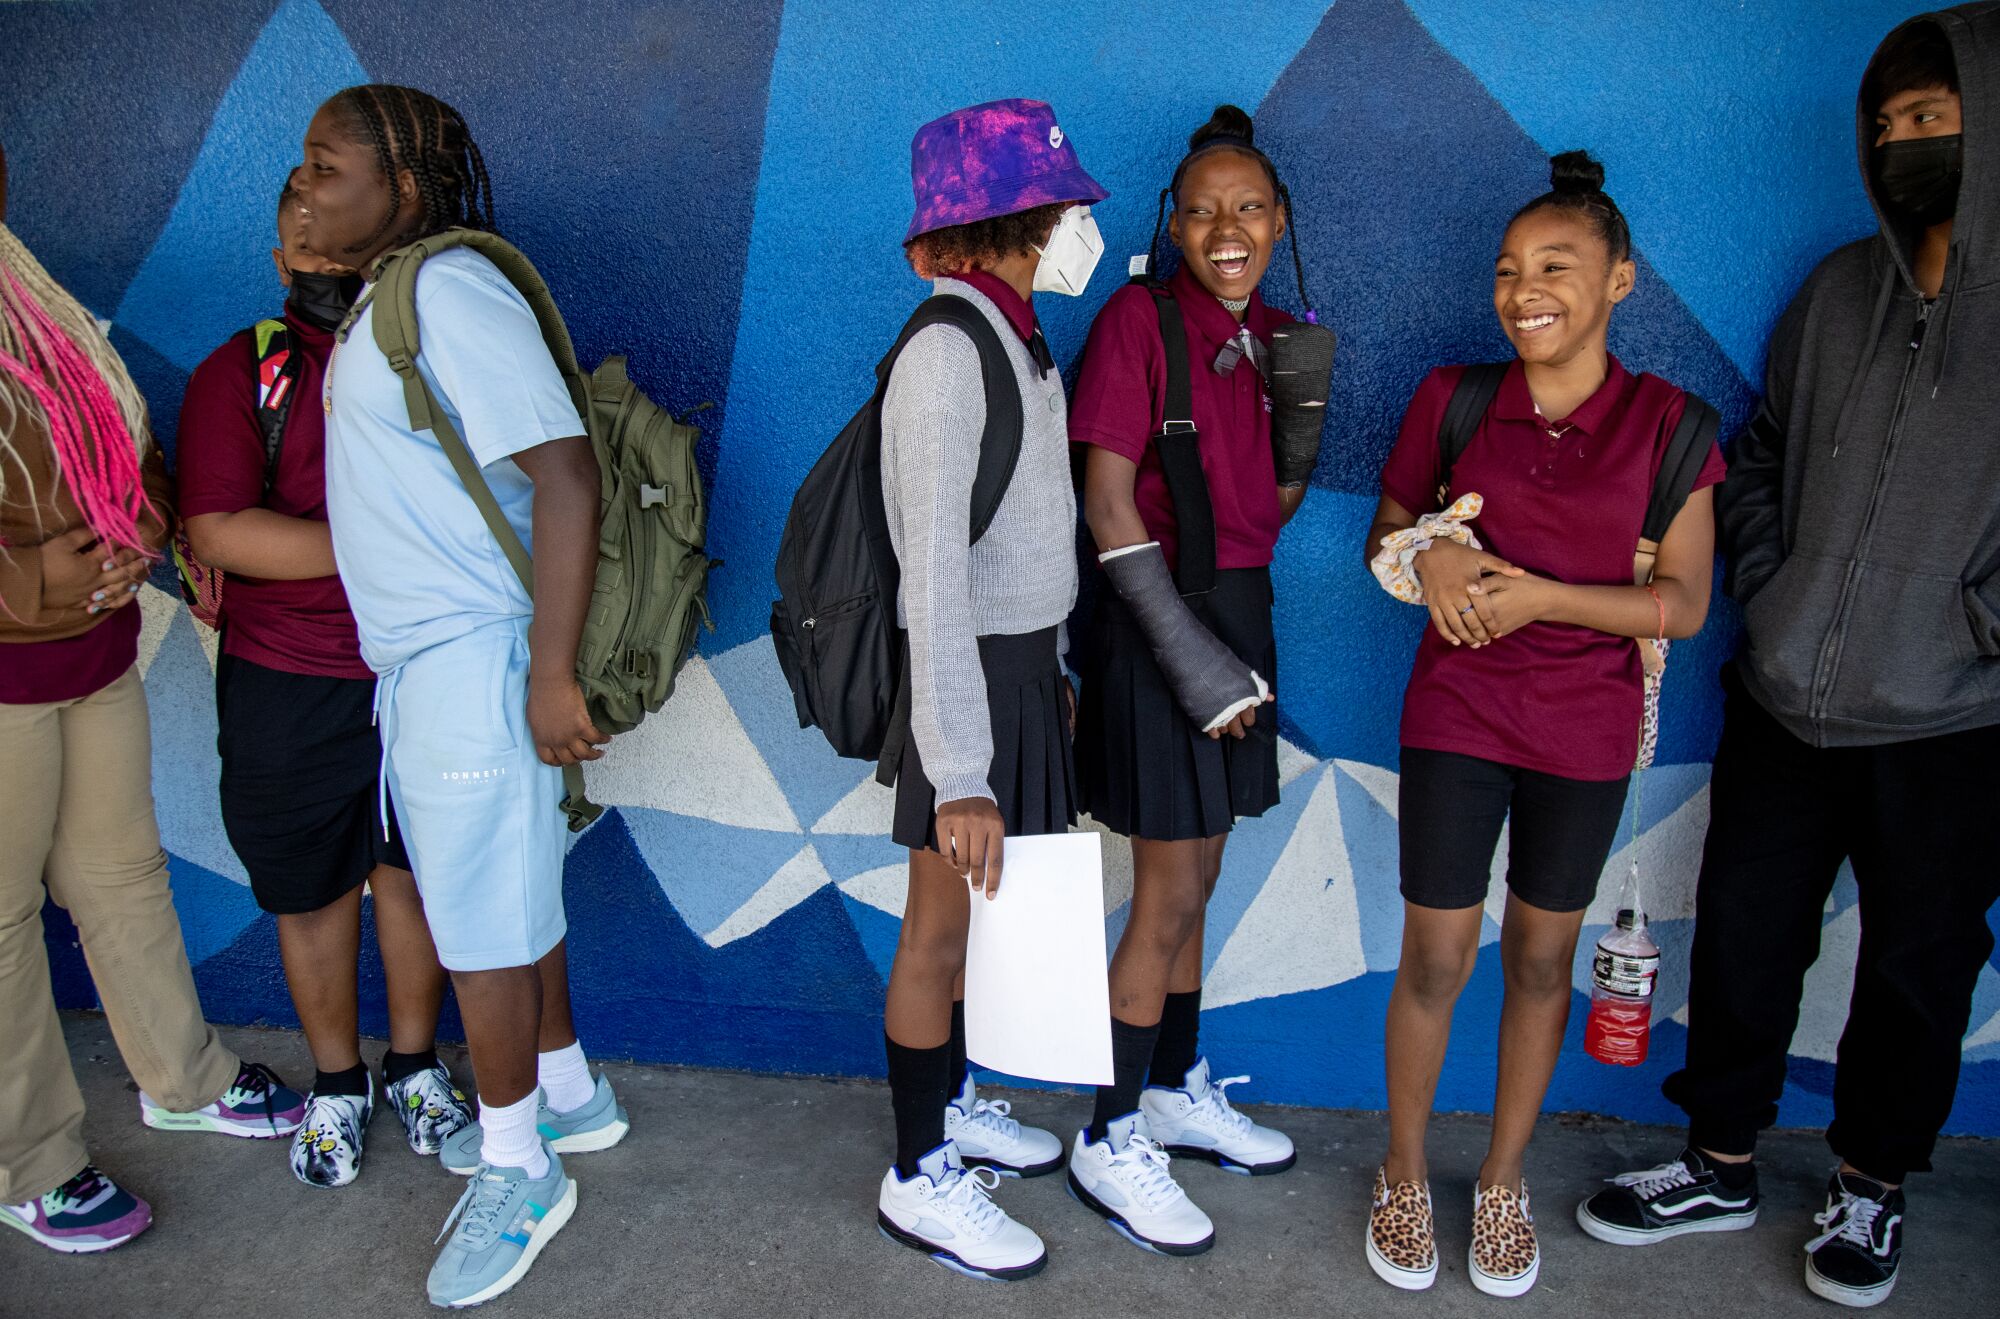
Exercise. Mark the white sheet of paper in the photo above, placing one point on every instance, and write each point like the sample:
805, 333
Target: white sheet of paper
1037, 993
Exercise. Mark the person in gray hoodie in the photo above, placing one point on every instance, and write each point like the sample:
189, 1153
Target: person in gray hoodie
1861, 520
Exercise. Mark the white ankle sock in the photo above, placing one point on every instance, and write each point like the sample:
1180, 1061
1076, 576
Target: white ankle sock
508, 1138
565, 1077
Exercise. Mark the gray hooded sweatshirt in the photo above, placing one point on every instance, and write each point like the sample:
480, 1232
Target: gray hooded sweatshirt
1861, 517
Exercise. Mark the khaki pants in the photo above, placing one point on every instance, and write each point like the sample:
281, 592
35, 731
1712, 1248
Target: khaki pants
76, 799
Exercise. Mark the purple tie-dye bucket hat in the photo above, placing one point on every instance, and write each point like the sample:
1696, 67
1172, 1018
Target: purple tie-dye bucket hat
993, 159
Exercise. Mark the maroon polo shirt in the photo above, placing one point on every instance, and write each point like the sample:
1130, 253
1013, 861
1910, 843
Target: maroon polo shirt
297, 626
1121, 389
1552, 697
1020, 313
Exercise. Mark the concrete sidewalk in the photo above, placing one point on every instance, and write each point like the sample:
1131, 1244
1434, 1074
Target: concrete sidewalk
739, 1195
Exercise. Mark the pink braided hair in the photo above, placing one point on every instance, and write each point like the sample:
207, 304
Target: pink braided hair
95, 451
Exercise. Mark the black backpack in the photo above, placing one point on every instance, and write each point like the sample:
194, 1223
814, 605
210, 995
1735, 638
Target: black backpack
834, 622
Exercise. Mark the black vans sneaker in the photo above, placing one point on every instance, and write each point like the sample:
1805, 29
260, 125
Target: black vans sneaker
1854, 1261
1671, 1200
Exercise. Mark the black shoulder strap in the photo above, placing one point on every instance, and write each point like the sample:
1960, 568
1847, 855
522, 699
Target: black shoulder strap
1687, 452
1000, 442
1462, 415
270, 340
1179, 447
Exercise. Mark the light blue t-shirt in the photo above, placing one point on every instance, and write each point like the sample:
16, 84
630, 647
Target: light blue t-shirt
418, 563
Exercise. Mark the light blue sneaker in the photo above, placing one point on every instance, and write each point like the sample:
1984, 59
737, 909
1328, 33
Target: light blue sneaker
598, 1125
504, 1219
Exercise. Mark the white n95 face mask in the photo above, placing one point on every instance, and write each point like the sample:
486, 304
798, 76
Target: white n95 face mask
1070, 254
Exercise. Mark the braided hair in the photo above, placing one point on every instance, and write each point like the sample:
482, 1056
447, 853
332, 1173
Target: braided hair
1229, 128
1576, 184
415, 131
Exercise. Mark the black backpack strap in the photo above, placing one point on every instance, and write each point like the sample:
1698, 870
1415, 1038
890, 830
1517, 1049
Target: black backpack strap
1000, 442
1680, 467
1469, 401
999, 454
1179, 447
270, 340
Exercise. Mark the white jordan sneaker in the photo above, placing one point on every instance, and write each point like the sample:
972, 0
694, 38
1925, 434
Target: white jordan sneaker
945, 1212
1124, 1177
1197, 1120
988, 1138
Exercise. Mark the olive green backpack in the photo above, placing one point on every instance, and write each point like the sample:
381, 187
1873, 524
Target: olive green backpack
652, 571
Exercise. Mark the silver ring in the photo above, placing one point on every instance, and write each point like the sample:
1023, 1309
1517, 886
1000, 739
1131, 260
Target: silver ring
1469, 609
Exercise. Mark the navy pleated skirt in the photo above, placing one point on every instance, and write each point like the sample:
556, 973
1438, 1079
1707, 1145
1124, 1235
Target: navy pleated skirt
1033, 774
1146, 770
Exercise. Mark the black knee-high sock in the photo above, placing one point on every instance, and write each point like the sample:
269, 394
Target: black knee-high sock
1180, 1040
1131, 1054
956, 1078
919, 1092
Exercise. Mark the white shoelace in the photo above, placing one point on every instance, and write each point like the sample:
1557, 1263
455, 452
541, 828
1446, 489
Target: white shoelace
481, 1204
991, 1116
966, 1198
1852, 1218
1142, 1165
1216, 1109
1656, 1181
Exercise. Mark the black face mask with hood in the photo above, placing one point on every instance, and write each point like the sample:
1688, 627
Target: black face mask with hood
1919, 177
1861, 518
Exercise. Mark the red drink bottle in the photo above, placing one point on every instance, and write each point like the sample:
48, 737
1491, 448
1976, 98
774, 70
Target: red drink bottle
1621, 993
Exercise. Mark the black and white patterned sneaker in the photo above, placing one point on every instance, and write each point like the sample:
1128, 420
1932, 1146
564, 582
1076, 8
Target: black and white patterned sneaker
1853, 1262
432, 1108
1671, 1200
326, 1150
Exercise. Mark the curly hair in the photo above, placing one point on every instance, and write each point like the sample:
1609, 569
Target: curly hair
955, 248
414, 130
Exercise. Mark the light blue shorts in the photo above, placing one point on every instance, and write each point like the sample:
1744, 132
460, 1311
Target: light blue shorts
479, 811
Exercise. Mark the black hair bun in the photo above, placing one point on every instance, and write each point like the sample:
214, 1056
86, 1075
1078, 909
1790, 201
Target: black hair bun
1575, 172
1227, 121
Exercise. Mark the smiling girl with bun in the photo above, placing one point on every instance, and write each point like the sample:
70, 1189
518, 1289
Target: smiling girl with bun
1524, 706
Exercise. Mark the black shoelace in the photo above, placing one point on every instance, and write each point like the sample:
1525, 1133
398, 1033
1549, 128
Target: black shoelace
257, 1081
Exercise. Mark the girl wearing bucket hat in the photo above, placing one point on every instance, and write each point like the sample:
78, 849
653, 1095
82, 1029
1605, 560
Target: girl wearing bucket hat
1200, 410
1002, 211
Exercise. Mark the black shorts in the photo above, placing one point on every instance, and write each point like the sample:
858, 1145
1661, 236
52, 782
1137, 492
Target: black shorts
301, 773
1147, 771
1032, 775
1449, 817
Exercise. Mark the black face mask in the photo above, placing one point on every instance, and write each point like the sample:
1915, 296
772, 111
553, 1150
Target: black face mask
323, 300
1920, 177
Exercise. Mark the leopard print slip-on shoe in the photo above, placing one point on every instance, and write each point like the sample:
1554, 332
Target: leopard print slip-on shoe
1402, 1246
1505, 1258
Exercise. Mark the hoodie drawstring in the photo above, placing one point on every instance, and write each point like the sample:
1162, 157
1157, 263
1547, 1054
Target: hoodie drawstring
1948, 294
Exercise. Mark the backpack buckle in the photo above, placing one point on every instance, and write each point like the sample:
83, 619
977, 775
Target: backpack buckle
638, 664
401, 361
652, 495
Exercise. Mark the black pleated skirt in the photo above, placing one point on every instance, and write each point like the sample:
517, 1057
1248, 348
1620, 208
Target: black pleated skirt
1146, 770
1033, 774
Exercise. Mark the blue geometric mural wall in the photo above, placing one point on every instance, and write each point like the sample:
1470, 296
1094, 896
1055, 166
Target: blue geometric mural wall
719, 190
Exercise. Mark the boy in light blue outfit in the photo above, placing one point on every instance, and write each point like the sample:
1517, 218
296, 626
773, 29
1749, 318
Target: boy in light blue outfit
477, 695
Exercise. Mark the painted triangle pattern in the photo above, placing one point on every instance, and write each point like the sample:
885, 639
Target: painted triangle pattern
739, 903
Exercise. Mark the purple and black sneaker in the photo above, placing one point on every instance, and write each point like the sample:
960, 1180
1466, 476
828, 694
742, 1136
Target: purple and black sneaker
259, 1105
87, 1213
